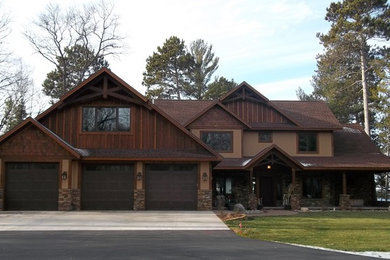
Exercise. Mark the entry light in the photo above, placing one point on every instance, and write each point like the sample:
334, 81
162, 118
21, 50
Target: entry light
204, 176
64, 175
269, 167
139, 176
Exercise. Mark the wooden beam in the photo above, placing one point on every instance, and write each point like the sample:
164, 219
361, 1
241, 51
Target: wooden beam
251, 180
344, 183
293, 177
105, 87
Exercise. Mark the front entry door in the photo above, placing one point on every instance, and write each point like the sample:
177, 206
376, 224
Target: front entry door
267, 191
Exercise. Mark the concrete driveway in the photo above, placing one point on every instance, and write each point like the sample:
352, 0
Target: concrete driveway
110, 221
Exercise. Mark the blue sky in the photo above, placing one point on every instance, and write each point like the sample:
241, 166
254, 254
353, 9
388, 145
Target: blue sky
272, 45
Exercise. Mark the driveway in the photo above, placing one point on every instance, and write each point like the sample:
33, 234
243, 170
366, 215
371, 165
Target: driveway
110, 220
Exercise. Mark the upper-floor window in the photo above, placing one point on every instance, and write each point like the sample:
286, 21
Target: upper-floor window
219, 141
106, 119
307, 142
265, 137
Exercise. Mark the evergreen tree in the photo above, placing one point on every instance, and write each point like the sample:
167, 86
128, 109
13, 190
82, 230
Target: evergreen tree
204, 67
219, 87
347, 75
168, 70
77, 64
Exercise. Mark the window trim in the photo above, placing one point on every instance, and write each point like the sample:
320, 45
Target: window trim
308, 152
106, 106
226, 132
268, 132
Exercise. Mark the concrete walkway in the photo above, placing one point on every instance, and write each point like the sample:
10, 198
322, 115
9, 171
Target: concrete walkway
110, 221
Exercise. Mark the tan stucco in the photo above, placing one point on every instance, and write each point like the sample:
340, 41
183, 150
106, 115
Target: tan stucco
75, 175
204, 168
288, 142
65, 167
237, 141
139, 168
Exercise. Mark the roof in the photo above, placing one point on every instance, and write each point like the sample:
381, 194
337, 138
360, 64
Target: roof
353, 150
183, 110
248, 162
310, 114
46, 131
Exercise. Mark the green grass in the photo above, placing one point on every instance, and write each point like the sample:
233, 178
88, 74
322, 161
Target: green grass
351, 231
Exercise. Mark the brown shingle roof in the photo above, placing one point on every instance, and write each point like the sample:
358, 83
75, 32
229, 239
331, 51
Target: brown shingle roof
309, 114
182, 110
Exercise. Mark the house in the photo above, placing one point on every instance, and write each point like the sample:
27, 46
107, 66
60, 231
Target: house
104, 146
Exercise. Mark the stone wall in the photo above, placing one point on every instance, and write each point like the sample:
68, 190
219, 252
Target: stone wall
345, 202
139, 200
65, 199
204, 200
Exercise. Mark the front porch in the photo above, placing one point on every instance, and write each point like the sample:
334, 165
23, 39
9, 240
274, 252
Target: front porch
276, 180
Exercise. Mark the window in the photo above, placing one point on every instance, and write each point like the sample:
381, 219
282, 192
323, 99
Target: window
265, 137
307, 142
106, 119
219, 141
312, 187
223, 185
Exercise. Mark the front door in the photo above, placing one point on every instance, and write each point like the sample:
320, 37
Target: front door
267, 191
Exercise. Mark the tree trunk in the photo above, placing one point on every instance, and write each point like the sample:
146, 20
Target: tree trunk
363, 66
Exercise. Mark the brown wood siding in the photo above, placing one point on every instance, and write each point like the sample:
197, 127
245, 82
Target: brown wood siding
32, 142
149, 130
216, 118
255, 112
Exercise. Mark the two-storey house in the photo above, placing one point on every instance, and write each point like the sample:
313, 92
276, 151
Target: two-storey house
103, 145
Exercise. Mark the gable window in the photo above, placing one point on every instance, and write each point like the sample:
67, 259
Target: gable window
265, 137
106, 119
219, 141
312, 187
307, 142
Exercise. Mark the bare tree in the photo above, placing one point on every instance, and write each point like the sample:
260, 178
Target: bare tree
93, 27
14, 81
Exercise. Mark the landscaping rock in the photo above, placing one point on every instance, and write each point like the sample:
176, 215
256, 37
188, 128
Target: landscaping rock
238, 208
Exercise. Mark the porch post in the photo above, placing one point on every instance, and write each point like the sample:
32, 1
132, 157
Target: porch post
344, 183
344, 200
294, 198
252, 199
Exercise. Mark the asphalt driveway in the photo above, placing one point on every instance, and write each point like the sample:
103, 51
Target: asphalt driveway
110, 220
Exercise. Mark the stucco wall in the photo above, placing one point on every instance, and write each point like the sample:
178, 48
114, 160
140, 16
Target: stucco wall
288, 142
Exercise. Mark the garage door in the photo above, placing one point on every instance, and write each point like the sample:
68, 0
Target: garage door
171, 187
107, 187
31, 186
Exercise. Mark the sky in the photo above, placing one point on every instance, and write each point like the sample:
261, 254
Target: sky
270, 44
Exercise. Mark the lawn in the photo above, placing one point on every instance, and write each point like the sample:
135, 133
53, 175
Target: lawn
342, 230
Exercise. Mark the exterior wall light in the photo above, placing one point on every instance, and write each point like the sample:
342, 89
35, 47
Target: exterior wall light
64, 175
139, 176
204, 176
269, 166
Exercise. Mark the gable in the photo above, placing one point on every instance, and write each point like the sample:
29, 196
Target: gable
30, 141
216, 118
255, 109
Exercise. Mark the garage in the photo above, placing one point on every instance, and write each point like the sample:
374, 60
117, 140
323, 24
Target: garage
31, 186
171, 187
107, 187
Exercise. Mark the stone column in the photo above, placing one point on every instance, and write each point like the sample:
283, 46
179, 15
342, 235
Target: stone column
345, 201
205, 194
76, 198
139, 200
65, 199
204, 199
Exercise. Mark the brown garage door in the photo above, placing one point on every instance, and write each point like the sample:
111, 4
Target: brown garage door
31, 186
107, 187
172, 187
